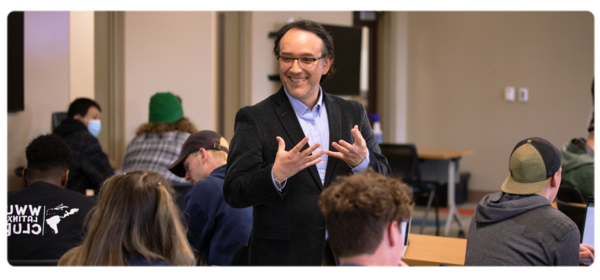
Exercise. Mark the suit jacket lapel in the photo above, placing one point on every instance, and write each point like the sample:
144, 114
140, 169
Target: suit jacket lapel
287, 117
335, 133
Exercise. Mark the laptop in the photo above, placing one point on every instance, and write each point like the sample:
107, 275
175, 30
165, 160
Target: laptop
588, 229
405, 232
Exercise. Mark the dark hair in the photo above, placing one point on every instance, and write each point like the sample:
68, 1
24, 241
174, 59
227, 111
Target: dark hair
317, 29
80, 106
357, 208
47, 155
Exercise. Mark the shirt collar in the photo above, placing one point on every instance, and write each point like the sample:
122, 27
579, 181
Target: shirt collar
300, 108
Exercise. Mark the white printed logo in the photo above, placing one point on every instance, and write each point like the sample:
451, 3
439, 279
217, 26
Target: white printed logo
21, 221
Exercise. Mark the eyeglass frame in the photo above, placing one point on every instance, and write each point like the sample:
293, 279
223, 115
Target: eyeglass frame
300, 64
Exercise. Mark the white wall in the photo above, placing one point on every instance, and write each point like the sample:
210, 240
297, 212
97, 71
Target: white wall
46, 39
170, 51
81, 55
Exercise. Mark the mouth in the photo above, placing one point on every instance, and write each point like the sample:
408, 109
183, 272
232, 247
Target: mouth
298, 80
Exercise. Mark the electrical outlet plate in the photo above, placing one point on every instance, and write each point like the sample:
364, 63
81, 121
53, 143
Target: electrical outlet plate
509, 94
523, 94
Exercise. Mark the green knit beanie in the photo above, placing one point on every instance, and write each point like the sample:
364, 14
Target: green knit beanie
164, 107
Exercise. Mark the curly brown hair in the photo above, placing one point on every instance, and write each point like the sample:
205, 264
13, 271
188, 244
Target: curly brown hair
183, 125
357, 208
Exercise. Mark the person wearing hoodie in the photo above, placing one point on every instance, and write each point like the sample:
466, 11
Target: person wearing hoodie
90, 165
518, 226
578, 163
215, 229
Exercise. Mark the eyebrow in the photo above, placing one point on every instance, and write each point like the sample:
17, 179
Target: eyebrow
303, 54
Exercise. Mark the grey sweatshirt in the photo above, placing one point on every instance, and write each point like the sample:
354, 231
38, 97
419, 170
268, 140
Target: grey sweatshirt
521, 230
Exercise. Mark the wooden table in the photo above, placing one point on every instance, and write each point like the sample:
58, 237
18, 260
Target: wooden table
451, 157
427, 250
555, 204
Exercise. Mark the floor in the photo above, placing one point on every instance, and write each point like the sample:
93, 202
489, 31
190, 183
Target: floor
465, 211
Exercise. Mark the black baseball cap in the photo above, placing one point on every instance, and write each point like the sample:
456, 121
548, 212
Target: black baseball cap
207, 139
532, 164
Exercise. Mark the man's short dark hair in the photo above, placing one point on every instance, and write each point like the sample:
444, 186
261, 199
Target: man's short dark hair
47, 155
357, 208
80, 106
317, 29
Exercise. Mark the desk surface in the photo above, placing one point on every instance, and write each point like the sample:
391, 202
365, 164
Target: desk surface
555, 204
442, 154
427, 250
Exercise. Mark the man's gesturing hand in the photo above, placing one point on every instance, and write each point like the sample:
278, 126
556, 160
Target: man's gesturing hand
287, 164
353, 155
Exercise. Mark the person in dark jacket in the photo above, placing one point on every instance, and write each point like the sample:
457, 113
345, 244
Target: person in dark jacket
215, 229
578, 163
518, 226
44, 219
90, 166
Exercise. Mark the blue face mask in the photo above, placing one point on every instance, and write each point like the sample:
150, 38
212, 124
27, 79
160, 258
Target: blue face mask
94, 127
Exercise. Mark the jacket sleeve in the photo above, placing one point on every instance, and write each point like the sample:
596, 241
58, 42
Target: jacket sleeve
377, 161
248, 176
95, 165
200, 227
567, 249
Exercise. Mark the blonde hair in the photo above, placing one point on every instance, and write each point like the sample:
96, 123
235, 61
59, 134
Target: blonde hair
218, 155
135, 216
182, 125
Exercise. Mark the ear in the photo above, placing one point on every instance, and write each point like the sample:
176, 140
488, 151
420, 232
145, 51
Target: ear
64, 179
327, 64
556, 178
203, 153
24, 176
391, 230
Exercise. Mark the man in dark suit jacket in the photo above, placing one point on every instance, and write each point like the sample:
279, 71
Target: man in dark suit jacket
283, 182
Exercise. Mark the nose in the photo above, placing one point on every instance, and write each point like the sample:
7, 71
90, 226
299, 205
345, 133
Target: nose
295, 68
187, 177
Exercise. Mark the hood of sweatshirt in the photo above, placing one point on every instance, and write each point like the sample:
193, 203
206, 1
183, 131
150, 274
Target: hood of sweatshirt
68, 126
500, 206
573, 156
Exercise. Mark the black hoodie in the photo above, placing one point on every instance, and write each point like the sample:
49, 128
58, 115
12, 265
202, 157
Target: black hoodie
90, 164
516, 230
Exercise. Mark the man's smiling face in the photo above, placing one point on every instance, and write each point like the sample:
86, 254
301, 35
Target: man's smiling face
302, 84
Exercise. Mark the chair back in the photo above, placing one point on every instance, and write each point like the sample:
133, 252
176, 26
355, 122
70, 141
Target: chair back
181, 191
403, 160
575, 212
241, 256
52, 262
569, 193
58, 117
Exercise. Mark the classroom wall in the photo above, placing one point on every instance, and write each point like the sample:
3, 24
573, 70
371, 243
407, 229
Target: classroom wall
46, 59
170, 51
459, 64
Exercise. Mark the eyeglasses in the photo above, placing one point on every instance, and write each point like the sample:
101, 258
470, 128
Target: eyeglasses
303, 62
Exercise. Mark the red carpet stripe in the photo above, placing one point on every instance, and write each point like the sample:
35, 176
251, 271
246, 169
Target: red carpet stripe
461, 211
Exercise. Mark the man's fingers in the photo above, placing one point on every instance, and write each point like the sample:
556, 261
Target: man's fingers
335, 154
311, 163
281, 144
340, 148
358, 139
314, 156
301, 144
589, 247
310, 149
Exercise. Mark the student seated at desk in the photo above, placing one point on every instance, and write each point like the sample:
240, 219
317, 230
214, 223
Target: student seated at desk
90, 166
518, 226
363, 214
136, 222
158, 143
45, 219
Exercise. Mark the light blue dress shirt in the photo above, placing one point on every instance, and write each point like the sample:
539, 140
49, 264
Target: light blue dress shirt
315, 125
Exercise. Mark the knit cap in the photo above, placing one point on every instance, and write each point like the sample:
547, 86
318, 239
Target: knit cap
164, 107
